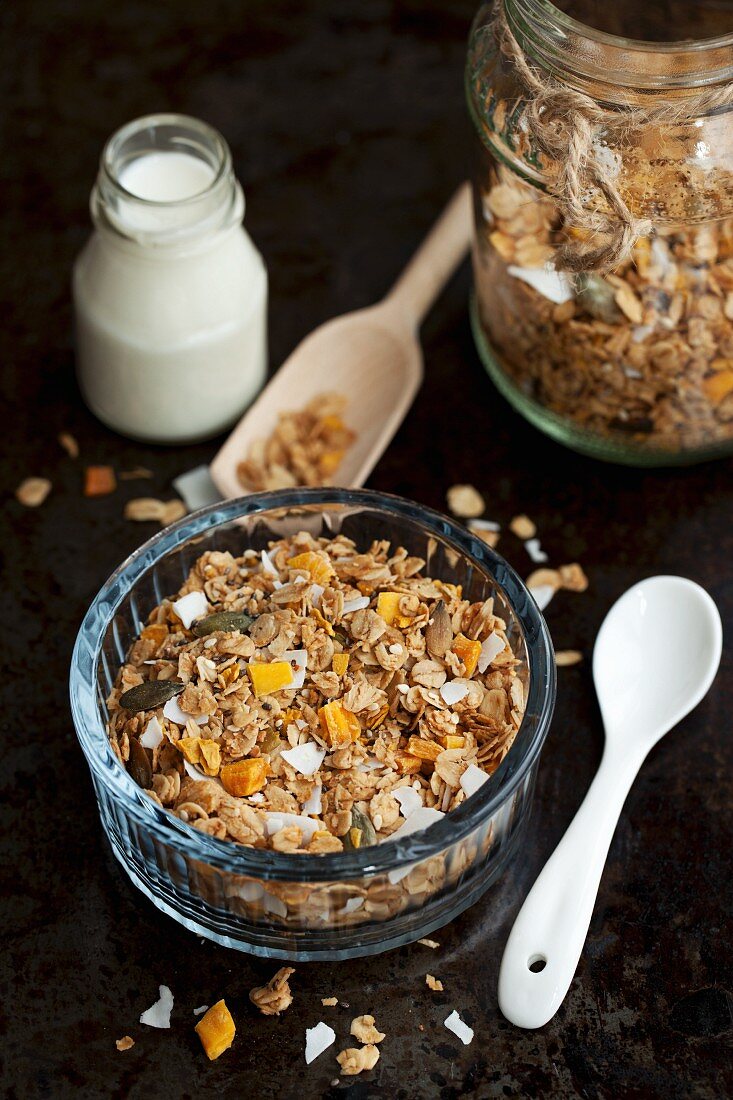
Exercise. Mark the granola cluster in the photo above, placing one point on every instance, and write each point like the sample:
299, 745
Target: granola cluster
643, 355
315, 698
306, 447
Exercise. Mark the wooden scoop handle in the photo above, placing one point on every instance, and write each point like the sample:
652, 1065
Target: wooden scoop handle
435, 260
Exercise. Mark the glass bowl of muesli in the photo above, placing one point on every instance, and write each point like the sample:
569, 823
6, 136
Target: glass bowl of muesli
313, 719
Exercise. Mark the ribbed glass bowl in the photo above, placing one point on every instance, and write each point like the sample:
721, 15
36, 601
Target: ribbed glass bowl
310, 906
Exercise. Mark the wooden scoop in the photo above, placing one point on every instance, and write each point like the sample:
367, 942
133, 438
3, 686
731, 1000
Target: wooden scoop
372, 356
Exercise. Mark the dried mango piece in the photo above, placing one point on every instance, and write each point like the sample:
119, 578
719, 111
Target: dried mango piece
338, 723
317, 565
99, 481
718, 386
468, 651
388, 606
216, 1030
407, 764
327, 626
155, 632
268, 678
340, 663
210, 756
229, 675
453, 741
355, 838
190, 748
376, 717
332, 423
245, 777
424, 750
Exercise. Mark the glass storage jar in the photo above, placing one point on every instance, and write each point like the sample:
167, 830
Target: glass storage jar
628, 357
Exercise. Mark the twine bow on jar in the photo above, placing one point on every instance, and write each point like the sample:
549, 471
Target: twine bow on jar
575, 131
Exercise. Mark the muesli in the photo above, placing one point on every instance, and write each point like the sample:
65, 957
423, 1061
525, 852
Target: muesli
313, 698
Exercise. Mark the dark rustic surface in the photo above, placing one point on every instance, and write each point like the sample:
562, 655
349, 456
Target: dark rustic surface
347, 126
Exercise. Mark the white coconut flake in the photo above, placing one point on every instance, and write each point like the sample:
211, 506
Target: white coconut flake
314, 804
317, 591
306, 759
536, 553
409, 800
197, 488
192, 606
298, 658
275, 820
452, 693
484, 525
455, 1024
159, 1014
257, 797
200, 1010
172, 711
267, 563
551, 284
318, 1039
491, 647
472, 779
357, 604
153, 734
351, 906
301, 724
274, 905
542, 593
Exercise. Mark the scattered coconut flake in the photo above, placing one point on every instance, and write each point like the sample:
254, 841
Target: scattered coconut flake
318, 1039
197, 488
465, 501
566, 657
274, 905
200, 1010
314, 804
536, 553
455, 1024
159, 1014
192, 606
553, 285
523, 527
192, 771
352, 905
452, 693
317, 591
491, 647
278, 819
358, 603
299, 659
429, 943
267, 563
409, 800
172, 711
472, 779
32, 492
153, 734
484, 525
542, 594
306, 759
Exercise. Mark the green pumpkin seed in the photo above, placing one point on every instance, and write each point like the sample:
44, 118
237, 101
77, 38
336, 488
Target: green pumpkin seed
226, 621
361, 822
139, 766
150, 694
271, 741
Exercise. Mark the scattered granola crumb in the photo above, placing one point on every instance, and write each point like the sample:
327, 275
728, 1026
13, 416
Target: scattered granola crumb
200, 1010
138, 472
216, 1030
329, 1002
33, 491
150, 510
434, 983
566, 657
455, 1024
429, 943
67, 441
354, 1060
364, 1029
523, 527
465, 501
99, 481
126, 1041
159, 1014
318, 1039
172, 511
275, 997
421, 1027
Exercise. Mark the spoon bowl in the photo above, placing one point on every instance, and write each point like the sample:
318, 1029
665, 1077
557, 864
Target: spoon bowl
656, 655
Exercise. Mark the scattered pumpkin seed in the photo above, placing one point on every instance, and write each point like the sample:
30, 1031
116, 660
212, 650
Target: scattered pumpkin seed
150, 694
139, 766
226, 621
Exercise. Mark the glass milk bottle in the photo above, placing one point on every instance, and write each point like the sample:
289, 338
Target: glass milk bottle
170, 293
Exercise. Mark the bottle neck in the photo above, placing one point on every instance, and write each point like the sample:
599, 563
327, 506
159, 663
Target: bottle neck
166, 182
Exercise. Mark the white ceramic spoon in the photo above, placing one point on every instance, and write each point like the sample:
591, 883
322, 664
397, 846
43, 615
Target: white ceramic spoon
655, 657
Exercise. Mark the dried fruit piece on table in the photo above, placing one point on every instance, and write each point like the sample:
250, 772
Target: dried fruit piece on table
216, 1030
465, 501
274, 997
144, 510
566, 657
354, 1060
434, 983
150, 694
523, 527
33, 491
388, 606
468, 651
69, 444
317, 565
338, 723
125, 1042
225, 621
99, 481
244, 777
364, 1029
268, 678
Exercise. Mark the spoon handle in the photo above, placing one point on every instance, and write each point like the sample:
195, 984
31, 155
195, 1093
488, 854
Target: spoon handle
553, 922
435, 260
